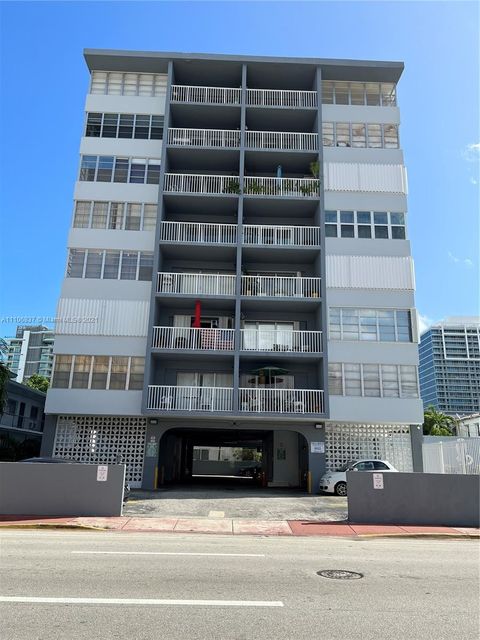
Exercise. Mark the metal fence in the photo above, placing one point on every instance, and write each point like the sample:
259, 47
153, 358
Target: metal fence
451, 455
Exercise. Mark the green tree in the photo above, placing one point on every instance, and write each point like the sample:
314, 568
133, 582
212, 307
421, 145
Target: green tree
40, 383
436, 423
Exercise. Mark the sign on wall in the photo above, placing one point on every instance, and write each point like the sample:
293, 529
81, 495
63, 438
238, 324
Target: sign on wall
317, 447
102, 473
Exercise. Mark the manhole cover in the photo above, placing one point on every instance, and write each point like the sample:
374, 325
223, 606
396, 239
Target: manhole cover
339, 574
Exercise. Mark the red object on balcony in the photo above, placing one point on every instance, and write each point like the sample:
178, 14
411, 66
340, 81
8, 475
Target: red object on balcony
198, 315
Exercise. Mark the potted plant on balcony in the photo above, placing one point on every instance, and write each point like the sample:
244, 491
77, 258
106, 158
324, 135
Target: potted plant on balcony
232, 186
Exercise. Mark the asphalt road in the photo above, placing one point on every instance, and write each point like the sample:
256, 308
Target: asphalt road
153, 586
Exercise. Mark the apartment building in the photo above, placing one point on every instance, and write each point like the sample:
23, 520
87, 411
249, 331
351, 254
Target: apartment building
30, 352
450, 365
240, 255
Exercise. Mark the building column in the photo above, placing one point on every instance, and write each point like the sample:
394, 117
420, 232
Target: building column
316, 454
416, 436
153, 436
48, 438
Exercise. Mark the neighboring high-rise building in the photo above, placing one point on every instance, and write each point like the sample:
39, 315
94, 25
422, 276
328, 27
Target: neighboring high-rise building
30, 352
450, 365
239, 269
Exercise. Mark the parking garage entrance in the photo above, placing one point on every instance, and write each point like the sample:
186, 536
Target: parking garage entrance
221, 458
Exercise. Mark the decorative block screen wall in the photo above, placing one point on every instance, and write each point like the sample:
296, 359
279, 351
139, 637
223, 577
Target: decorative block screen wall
103, 440
345, 442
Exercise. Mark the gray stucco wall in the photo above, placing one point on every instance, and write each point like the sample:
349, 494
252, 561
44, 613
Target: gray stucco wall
414, 499
60, 489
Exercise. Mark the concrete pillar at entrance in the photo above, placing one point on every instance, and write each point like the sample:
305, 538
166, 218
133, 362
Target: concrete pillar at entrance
48, 437
416, 435
150, 461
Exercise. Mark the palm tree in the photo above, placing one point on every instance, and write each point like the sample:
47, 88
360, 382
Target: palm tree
437, 423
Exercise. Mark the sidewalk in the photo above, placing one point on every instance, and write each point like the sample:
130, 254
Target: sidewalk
232, 526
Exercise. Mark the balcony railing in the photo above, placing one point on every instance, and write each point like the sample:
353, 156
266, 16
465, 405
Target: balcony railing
219, 138
280, 287
283, 340
205, 95
282, 140
276, 235
281, 400
292, 187
193, 338
281, 98
203, 233
198, 183
211, 284
172, 398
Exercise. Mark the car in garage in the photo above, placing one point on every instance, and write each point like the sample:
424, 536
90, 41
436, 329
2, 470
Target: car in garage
336, 481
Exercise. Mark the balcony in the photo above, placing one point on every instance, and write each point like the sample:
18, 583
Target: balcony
281, 98
172, 398
282, 187
188, 338
280, 287
281, 236
201, 184
209, 284
205, 138
206, 95
281, 340
198, 232
281, 400
279, 140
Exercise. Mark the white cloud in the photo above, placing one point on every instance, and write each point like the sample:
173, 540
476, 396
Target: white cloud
471, 153
423, 323
466, 262
473, 180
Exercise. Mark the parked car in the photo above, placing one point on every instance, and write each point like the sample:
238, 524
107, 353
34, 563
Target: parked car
336, 481
126, 489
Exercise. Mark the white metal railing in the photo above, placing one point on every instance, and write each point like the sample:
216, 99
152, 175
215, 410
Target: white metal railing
204, 137
172, 398
451, 455
198, 183
256, 234
281, 286
212, 284
295, 187
281, 340
281, 140
281, 98
203, 233
281, 400
208, 95
193, 338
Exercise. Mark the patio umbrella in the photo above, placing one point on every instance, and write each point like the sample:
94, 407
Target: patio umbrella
269, 372
198, 315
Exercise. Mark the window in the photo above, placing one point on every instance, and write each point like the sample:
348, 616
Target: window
341, 93
81, 372
373, 325
125, 129
118, 375
100, 372
124, 125
386, 326
106, 168
93, 268
128, 84
374, 135
137, 367
335, 383
149, 217
142, 127
115, 220
327, 134
99, 215
94, 125
115, 84
352, 376
408, 381
335, 324
121, 170
390, 381
81, 219
112, 262
372, 91
363, 466
110, 125
129, 265
380, 466
359, 138
359, 93
153, 172
373, 380
87, 168
343, 134
390, 136
388, 94
61, 373
76, 259
385, 225
350, 324
327, 92
99, 82
368, 324
137, 170
145, 270
133, 217
156, 129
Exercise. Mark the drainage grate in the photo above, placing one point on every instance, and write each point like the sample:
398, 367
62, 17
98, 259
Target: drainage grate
340, 574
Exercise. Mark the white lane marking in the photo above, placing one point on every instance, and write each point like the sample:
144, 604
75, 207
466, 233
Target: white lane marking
171, 553
144, 601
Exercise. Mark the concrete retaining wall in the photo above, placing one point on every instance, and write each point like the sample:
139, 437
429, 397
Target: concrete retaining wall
414, 498
44, 489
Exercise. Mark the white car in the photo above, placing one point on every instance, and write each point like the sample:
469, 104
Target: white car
336, 481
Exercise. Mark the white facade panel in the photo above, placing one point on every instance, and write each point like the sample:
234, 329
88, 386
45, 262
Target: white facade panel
373, 352
370, 272
374, 178
352, 154
102, 317
360, 114
121, 147
376, 410
94, 402
90, 345
126, 104
90, 288
111, 239
116, 192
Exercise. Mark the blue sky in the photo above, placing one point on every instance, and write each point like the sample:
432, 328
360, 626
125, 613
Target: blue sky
44, 81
